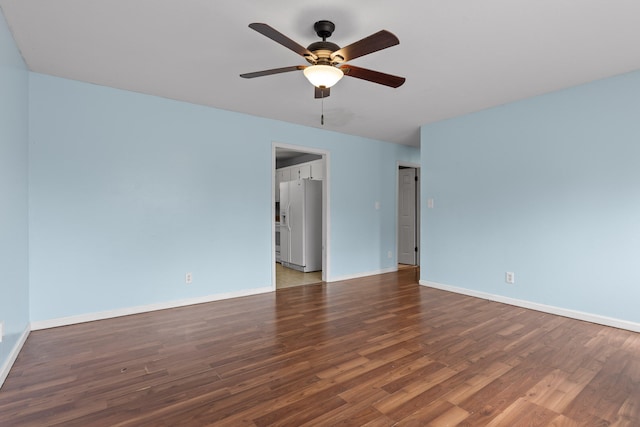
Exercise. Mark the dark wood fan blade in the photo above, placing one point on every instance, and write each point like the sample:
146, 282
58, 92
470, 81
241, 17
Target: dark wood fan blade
322, 92
272, 71
375, 42
278, 37
372, 76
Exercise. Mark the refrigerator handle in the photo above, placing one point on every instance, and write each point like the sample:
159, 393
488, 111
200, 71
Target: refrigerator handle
284, 217
288, 224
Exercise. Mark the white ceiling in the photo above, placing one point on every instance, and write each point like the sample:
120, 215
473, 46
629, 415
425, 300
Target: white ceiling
458, 56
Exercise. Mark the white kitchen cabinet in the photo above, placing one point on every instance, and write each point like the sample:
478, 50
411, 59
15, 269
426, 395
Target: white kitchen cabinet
285, 174
310, 170
282, 175
304, 171
317, 169
300, 171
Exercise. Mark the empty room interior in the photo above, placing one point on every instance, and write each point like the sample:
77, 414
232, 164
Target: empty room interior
319, 213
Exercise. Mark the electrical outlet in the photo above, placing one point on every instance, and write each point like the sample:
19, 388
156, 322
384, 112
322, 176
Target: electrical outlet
188, 278
389, 254
510, 277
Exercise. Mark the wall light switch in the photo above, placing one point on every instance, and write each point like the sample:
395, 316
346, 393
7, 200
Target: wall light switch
430, 203
377, 205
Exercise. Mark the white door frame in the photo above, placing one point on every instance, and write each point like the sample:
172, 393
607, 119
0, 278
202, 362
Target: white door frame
326, 220
417, 168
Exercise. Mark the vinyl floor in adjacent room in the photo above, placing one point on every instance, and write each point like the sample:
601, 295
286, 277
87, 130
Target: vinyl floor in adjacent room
288, 277
376, 351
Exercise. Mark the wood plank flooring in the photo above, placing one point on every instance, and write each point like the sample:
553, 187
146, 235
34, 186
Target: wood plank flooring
377, 351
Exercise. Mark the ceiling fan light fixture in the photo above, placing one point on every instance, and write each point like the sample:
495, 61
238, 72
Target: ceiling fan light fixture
323, 75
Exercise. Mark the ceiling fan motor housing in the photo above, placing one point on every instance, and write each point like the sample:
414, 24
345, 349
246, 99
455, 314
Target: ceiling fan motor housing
323, 51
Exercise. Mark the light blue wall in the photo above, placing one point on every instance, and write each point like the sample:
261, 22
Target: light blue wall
14, 274
548, 188
128, 192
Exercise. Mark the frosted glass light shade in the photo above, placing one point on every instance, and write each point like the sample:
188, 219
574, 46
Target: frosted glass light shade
323, 75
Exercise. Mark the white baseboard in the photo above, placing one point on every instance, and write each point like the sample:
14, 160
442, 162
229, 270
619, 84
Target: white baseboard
13, 355
359, 275
90, 317
565, 312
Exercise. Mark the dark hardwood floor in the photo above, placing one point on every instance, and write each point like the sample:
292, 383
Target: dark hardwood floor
377, 351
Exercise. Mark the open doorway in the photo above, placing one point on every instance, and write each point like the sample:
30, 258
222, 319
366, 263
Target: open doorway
300, 198
408, 215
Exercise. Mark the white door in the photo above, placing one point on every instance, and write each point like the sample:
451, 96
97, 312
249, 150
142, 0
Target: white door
407, 216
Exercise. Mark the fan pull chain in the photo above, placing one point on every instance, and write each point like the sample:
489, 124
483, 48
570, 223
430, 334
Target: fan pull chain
322, 112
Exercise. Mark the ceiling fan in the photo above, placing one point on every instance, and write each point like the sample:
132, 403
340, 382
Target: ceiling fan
327, 59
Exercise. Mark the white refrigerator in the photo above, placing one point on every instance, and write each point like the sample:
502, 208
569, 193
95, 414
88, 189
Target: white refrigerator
301, 224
